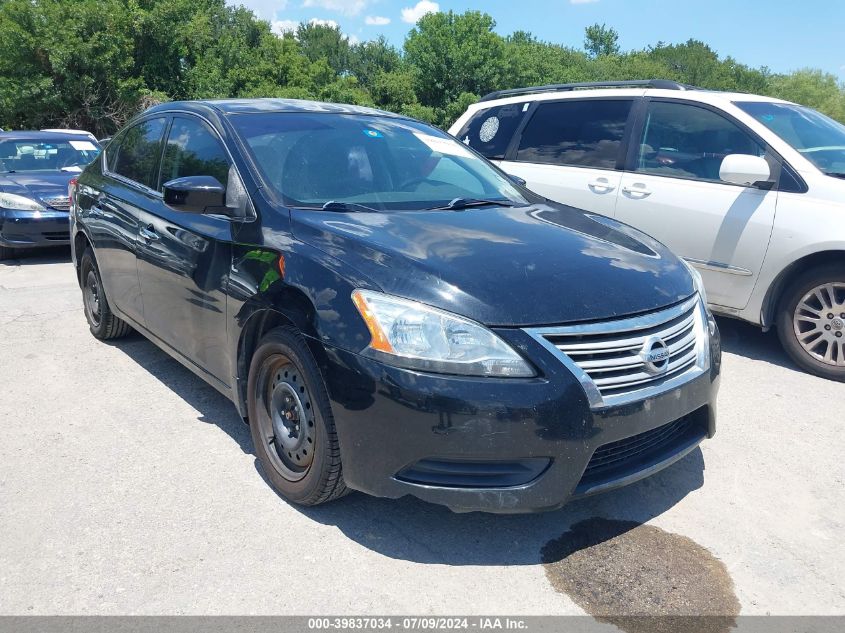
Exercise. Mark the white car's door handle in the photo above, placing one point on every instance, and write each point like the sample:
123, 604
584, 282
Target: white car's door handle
601, 185
637, 189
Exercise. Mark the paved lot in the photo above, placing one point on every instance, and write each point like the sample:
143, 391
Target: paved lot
128, 486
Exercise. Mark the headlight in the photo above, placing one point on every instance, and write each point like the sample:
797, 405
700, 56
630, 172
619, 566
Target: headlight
697, 280
19, 203
415, 336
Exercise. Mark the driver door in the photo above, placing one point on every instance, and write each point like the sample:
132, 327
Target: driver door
673, 192
184, 259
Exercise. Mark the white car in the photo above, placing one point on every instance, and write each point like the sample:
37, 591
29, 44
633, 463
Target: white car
750, 190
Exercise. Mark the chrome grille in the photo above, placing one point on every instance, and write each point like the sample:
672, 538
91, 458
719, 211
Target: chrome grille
62, 203
629, 359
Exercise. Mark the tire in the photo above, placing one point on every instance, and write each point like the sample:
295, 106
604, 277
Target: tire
6, 253
811, 321
299, 453
102, 322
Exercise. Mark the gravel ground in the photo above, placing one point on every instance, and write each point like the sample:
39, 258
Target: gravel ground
128, 486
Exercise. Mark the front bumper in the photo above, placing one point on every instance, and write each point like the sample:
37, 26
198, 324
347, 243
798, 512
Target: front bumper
24, 229
503, 445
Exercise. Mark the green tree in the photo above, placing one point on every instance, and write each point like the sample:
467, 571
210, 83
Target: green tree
394, 90
601, 40
812, 88
451, 54
69, 62
368, 60
323, 41
94, 63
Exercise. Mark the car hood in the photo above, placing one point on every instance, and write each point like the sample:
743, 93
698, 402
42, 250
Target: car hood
39, 185
544, 264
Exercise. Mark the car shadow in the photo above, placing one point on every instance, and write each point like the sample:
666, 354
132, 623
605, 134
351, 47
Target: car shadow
33, 256
213, 407
750, 341
413, 530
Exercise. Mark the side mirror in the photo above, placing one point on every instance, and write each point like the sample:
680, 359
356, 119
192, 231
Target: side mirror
745, 170
195, 194
520, 181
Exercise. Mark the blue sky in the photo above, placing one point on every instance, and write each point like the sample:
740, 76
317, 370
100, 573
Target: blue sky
781, 34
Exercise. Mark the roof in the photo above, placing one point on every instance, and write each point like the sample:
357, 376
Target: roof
663, 84
40, 135
618, 89
253, 106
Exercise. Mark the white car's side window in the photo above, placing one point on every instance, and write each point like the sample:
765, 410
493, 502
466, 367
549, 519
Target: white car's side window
581, 133
687, 141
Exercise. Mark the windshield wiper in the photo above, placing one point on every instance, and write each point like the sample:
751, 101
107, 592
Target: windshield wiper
334, 205
465, 203
835, 174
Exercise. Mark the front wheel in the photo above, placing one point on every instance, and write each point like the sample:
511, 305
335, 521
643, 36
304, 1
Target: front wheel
291, 420
811, 322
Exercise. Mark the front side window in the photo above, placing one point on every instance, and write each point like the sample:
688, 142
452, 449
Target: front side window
388, 164
584, 133
818, 138
193, 150
47, 154
137, 156
686, 141
489, 131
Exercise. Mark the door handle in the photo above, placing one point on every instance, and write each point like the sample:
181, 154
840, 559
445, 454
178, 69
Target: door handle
601, 185
637, 189
149, 233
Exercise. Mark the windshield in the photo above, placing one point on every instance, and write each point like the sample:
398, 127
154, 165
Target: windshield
311, 159
46, 155
819, 138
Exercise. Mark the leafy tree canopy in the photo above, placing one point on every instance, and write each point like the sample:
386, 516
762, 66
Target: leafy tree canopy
93, 64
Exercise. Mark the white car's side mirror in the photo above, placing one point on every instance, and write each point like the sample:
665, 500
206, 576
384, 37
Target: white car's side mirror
744, 169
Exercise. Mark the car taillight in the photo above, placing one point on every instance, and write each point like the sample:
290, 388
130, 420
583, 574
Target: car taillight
71, 189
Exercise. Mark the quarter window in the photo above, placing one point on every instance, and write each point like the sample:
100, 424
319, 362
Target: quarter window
687, 141
584, 133
193, 150
137, 156
489, 132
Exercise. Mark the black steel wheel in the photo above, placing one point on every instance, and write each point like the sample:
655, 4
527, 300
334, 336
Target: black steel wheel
291, 421
102, 322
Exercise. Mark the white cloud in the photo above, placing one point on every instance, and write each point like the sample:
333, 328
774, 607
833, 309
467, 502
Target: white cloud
352, 39
280, 27
411, 15
346, 7
376, 20
582, 1
319, 22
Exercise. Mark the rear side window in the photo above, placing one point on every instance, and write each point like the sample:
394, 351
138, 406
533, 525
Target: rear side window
193, 150
686, 141
137, 156
489, 132
581, 133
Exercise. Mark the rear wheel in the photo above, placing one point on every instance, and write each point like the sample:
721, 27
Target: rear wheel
102, 322
291, 420
811, 321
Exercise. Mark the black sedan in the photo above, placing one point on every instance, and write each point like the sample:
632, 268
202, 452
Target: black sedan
389, 311
35, 170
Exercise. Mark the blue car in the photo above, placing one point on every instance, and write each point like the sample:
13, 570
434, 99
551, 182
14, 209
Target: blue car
35, 170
